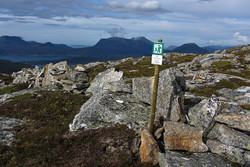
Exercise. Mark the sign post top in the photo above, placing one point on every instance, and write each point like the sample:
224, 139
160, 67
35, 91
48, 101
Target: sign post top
158, 48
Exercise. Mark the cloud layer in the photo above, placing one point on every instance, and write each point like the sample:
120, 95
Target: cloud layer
175, 21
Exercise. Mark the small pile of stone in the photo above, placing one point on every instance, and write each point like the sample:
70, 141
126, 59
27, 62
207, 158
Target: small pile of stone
59, 75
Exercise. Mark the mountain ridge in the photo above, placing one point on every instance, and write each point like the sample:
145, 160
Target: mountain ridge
189, 48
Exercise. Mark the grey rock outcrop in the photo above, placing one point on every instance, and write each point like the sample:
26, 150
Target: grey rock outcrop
26, 75
104, 109
176, 159
5, 97
59, 75
240, 95
6, 129
170, 97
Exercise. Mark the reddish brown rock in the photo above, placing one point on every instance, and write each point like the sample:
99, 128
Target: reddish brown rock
149, 150
180, 136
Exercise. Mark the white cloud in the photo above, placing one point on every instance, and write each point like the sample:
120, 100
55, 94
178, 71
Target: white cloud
240, 38
135, 7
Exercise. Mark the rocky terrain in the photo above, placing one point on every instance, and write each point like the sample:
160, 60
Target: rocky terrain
97, 114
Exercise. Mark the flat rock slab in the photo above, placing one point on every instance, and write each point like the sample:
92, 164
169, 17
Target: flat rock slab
229, 152
180, 136
230, 136
237, 121
176, 159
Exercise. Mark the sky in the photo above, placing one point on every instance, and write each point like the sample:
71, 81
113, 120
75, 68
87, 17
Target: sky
85, 22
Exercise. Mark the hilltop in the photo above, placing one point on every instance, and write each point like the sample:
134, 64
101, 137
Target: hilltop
90, 115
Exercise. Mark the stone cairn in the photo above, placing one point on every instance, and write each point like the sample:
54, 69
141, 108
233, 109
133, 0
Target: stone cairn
59, 75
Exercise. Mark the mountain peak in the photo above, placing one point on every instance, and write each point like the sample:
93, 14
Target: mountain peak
190, 48
11, 40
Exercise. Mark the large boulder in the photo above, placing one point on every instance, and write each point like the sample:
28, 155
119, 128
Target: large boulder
149, 150
170, 97
180, 136
177, 159
104, 109
109, 80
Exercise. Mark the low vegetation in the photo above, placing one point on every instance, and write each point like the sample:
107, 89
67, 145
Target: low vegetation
44, 140
15, 88
207, 91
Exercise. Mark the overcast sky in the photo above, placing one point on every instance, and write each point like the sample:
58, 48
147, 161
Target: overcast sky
84, 22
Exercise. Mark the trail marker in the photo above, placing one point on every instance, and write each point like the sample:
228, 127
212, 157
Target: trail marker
157, 53
157, 60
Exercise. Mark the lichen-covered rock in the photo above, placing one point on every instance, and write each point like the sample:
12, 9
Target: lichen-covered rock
180, 136
229, 152
237, 121
104, 109
170, 97
202, 114
76, 76
149, 150
240, 95
108, 76
229, 136
176, 159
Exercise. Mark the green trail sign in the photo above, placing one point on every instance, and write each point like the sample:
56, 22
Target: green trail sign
158, 48
157, 53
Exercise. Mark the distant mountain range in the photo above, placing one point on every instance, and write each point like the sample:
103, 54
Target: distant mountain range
114, 46
16, 46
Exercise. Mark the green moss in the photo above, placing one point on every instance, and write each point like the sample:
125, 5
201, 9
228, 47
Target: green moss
246, 106
15, 88
223, 65
224, 105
